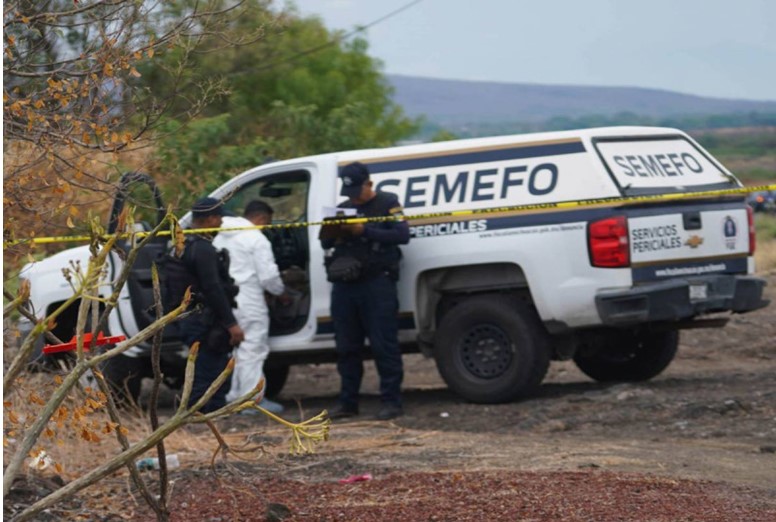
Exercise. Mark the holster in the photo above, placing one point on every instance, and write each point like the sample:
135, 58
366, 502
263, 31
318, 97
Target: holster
217, 340
344, 269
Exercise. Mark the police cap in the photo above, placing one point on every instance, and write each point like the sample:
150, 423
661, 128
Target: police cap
205, 207
353, 176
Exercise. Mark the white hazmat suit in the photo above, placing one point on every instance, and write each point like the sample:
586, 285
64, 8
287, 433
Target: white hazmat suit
253, 267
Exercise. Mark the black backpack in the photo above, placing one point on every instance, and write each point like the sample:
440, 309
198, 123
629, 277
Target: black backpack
174, 277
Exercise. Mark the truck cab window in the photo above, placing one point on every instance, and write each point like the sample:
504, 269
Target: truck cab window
286, 193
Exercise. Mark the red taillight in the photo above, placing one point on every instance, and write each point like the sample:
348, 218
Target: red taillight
752, 235
608, 242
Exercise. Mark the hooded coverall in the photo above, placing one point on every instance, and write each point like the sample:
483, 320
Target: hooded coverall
254, 271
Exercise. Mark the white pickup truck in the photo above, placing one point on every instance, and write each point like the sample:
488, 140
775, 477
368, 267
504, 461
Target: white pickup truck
491, 292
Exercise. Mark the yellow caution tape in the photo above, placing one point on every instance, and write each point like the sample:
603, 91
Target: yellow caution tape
563, 205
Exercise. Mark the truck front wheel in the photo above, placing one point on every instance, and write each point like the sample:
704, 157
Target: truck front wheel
125, 375
491, 349
629, 356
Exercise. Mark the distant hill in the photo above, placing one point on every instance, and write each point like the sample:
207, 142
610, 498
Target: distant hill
452, 103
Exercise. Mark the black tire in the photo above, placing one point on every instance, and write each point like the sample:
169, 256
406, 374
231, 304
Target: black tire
39, 362
630, 356
276, 376
491, 349
64, 330
125, 375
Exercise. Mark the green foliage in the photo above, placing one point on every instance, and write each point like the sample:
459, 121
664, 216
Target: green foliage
686, 123
199, 157
749, 152
747, 146
751, 143
443, 135
757, 175
298, 90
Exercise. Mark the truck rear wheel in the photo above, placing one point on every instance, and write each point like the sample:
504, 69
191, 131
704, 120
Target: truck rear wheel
630, 356
491, 349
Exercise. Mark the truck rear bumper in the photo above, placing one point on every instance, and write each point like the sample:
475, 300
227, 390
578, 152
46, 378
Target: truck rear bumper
679, 299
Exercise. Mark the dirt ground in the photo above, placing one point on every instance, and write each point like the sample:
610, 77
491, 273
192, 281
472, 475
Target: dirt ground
696, 443
700, 438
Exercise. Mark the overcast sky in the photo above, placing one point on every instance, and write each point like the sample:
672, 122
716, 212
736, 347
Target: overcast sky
718, 48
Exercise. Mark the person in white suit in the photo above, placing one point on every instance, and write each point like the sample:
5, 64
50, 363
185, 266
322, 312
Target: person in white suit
254, 270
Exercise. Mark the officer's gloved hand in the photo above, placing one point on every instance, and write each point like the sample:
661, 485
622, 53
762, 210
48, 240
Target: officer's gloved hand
285, 298
354, 229
236, 335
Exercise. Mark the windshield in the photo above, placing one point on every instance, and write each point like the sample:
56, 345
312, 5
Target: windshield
656, 165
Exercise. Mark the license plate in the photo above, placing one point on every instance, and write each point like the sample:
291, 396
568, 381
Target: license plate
699, 292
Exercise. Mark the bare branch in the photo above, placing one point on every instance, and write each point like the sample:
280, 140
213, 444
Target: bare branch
124, 443
73, 91
161, 452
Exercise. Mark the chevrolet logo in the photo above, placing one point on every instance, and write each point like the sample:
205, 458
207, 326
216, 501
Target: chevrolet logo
694, 241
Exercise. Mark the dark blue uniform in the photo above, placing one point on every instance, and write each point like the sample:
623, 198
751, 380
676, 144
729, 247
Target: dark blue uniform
369, 306
212, 289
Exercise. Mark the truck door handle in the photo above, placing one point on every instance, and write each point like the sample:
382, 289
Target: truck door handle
692, 220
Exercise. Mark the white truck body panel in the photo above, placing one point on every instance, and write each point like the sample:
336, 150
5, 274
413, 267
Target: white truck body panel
659, 164
549, 245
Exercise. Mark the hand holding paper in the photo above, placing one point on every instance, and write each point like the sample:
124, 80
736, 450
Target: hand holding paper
338, 230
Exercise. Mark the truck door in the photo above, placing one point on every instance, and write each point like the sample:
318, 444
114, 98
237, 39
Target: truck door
287, 194
135, 309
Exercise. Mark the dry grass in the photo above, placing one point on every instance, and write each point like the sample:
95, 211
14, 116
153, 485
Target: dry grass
66, 443
40, 199
71, 453
765, 255
71, 450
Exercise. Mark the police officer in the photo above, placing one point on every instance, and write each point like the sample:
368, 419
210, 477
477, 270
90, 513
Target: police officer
363, 268
213, 324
